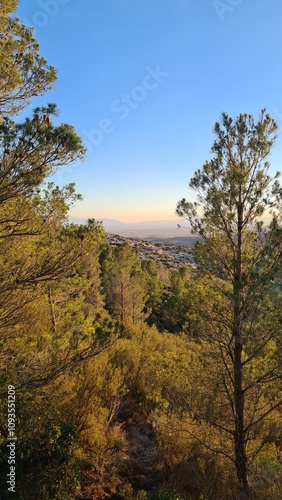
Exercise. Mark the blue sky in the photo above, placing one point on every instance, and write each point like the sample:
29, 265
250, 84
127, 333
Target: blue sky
143, 82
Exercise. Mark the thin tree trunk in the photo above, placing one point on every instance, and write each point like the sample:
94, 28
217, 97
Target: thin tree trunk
241, 462
52, 312
239, 435
122, 303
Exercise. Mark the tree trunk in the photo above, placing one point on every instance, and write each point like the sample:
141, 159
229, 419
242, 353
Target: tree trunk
52, 312
241, 462
239, 434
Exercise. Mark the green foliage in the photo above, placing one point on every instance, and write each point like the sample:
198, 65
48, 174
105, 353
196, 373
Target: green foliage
107, 405
32, 150
169, 495
24, 73
124, 284
155, 290
45, 451
239, 259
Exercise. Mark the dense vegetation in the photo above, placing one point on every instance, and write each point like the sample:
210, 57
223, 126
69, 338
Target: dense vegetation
134, 381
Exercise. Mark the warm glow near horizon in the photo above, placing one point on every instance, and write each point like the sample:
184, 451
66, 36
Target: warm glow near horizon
130, 215
122, 217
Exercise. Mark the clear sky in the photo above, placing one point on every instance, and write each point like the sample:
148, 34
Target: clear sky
143, 82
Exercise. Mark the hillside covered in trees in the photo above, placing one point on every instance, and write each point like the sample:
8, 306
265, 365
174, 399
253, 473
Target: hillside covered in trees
135, 380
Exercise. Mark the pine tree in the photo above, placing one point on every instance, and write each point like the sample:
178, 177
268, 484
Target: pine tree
24, 73
124, 284
240, 258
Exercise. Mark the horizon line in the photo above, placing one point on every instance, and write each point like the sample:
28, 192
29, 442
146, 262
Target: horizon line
122, 221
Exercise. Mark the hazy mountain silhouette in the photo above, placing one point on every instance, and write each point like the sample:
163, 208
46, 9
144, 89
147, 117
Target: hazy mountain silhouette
146, 229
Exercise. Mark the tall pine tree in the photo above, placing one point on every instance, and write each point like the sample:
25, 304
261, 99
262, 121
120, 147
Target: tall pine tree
240, 258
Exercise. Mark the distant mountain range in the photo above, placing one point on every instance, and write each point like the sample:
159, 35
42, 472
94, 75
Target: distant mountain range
148, 229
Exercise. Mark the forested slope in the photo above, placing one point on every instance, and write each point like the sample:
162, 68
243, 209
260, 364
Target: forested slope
132, 380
